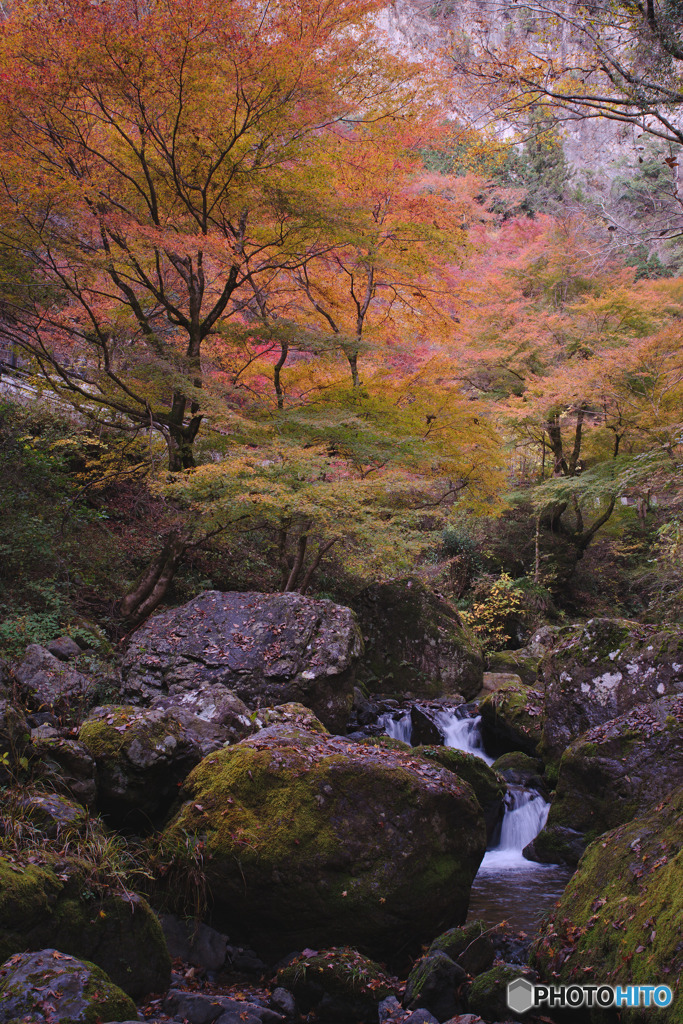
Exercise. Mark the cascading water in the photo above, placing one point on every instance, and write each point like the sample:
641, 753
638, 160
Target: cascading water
507, 886
399, 728
462, 733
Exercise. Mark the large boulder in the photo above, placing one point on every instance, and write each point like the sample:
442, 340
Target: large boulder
312, 840
142, 755
619, 919
525, 661
48, 684
58, 901
601, 669
416, 642
620, 769
512, 719
267, 648
66, 764
48, 986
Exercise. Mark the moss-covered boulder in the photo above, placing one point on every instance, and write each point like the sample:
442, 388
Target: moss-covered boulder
79, 992
436, 983
338, 984
488, 994
489, 788
416, 642
600, 670
291, 714
525, 661
469, 945
512, 719
619, 919
267, 648
142, 755
210, 714
620, 769
519, 769
58, 900
312, 840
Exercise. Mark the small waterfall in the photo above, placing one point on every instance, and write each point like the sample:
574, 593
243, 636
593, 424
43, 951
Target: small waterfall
525, 815
398, 728
462, 733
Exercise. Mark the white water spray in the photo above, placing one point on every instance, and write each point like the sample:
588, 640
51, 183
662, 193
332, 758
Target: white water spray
462, 734
400, 728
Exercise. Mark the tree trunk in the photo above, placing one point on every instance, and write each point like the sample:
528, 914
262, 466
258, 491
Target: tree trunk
153, 585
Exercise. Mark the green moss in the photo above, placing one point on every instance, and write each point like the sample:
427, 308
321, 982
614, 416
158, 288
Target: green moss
387, 742
517, 761
487, 785
341, 973
109, 734
456, 940
515, 713
488, 994
105, 1001
619, 920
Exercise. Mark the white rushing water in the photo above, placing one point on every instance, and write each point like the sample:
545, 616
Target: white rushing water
463, 734
525, 810
400, 728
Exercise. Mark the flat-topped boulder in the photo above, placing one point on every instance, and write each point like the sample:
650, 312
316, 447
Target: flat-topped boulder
267, 649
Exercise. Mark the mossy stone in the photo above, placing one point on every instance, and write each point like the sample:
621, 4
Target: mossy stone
489, 787
488, 994
54, 902
352, 982
318, 841
80, 992
512, 719
619, 919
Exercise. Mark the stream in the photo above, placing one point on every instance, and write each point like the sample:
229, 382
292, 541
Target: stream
508, 887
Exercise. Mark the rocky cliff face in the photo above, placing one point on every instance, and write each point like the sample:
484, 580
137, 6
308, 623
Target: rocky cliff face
594, 149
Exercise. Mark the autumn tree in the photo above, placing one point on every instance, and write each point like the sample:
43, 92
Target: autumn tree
619, 59
153, 171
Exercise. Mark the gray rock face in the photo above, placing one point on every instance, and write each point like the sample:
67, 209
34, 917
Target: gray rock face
79, 992
266, 648
620, 769
14, 731
70, 766
46, 683
213, 715
64, 648
141, 755
194, 942
416, 642
598, 671
197, 1008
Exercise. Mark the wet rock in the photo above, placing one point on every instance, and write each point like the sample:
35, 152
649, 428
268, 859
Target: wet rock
434, 984
267, 648
79, 991
142, 755
315, 840
64, 648
50, 902
512, 719
425, 729
489, 788
470, 946
337, 984
194, 942
416, 642
519, 769
556, 844
420, 1017
599, 671
46, 683
390, 1010
488, 994
617, 770
497, 680
198, 1008
619, 918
